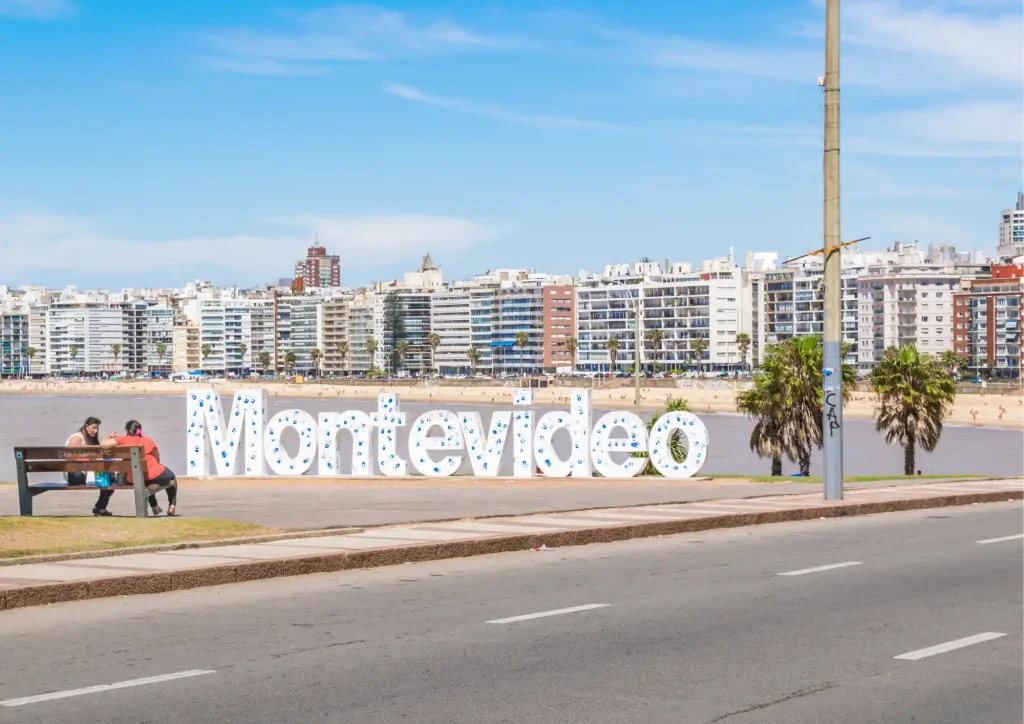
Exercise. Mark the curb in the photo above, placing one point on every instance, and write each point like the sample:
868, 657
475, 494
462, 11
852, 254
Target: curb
164, 582
181, 545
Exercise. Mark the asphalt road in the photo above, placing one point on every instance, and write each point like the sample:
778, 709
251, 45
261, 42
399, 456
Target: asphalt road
695, 628
49, 419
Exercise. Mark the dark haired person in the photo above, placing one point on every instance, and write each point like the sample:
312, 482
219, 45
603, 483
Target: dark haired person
88, 434
153, 471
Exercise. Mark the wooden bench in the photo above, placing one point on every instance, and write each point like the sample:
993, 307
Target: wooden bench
81, 460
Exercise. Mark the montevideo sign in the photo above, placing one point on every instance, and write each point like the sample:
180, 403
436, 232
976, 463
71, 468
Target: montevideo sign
244, 442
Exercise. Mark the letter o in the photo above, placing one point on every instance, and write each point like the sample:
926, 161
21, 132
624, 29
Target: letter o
661, 451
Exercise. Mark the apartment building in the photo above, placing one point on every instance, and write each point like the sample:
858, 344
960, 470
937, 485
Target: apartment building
336, 336
262, 330
83, 336
1011, 230
559, 325
225, 333
299, 330
987, 322
158, 340
361, 330
186, 352
14, 341
450, 320
904, 304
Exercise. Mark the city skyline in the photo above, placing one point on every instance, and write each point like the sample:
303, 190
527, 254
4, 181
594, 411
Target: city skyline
217, 142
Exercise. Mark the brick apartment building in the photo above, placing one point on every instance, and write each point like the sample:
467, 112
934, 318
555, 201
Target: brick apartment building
986, 322
559, 325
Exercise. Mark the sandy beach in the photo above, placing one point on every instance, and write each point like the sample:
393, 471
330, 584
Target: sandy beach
1004, 411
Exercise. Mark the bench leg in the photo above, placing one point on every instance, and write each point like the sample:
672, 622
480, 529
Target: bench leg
24, 494
139, 485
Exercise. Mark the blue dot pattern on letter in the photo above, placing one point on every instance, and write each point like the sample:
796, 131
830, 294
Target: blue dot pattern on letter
697, 444
278, 458
420, 443
388, 420
484, 450
244, 430
602, 444
358, 424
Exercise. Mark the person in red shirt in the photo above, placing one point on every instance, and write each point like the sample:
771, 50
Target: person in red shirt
152, 469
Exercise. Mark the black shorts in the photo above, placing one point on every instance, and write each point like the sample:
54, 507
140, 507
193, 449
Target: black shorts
165, 478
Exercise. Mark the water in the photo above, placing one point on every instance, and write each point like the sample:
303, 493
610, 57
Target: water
49, 419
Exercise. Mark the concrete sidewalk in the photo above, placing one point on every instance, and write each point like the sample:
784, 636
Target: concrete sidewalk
38, 583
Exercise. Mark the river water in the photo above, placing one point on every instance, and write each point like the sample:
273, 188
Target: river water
49, 419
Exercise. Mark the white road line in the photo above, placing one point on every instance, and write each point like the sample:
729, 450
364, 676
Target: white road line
802, 571
556, 612
104, 687
949, 646
1000, 540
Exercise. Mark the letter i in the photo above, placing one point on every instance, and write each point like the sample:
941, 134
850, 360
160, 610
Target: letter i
522, 429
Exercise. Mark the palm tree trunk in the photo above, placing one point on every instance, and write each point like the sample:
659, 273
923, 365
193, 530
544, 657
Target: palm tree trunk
776, 465
805, 463
908, 457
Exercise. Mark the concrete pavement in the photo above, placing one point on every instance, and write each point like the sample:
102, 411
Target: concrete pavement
696, 628
316, 503
32, 584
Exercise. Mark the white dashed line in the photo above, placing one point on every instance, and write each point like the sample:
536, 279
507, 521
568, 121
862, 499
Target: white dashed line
949, 646
1001, 540
802, 571
104, 687
556, 612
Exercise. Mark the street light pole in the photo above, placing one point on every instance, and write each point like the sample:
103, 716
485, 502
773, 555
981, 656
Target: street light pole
833, 354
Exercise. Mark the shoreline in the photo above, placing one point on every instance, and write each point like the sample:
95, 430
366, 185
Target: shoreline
993, 411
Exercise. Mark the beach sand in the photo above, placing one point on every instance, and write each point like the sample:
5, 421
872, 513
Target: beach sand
991, 410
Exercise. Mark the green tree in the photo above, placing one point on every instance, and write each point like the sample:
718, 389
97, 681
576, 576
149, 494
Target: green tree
433, 340
73, 353
116, 349
571, 345
161, 351
342, 351
914, 395
675, 443
317, 357
289, 361
743, 345
242, 349
371, 349
401, 350
655, 337
699, 346
522, 339
205, 351
264, 360
474, 357
612, 345
951, 362
765, 403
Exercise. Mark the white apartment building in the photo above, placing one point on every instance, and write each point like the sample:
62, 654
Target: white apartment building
335, 335
262, 324
14, 340
186, 353
361, 329
903, 304
450, 320
158, 340
1011, 230
225, 333
81, 337
299, 330
681, 304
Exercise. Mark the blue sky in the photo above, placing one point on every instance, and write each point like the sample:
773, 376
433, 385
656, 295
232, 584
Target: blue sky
151, 143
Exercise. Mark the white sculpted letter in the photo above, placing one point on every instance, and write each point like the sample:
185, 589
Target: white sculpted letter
661, 453
387, 420
485, 449
355, 422
421, 443
602, 444
242, 430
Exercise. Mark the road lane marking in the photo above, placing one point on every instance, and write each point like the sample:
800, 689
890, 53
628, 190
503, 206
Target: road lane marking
104, 687
949, 646
556, 612
1000, 540
829, 567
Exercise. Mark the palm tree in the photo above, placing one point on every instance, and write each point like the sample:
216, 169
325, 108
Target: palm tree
655, 336
242, 349
161, 351
317, 357
675, 443
401, 350
342, 351
474, 357
951, 361
699, 346
205, 350
522, 339
116, 349
765, 403
371, 349
30, 352
433, 340
914, 395
571, 345
264, 360
612, 346
73, 352
743, 345
289, 361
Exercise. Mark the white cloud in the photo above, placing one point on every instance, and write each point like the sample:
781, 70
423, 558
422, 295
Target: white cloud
32, 243
342, 33
529, 119
37, 9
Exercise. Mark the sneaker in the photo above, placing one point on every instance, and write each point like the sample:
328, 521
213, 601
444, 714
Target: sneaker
157, 510
101, 512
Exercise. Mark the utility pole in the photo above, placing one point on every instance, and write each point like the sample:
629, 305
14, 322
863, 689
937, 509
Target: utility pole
833, 354
636, 361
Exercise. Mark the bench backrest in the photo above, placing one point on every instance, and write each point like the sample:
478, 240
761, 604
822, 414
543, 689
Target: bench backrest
77, 459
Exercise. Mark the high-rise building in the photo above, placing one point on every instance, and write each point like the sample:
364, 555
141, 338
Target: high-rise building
1011, 230
559, 327
186, 352
987, 322
319, 269
361, 330
335, 335
299, 331
14, 340
84, 337
158, 340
